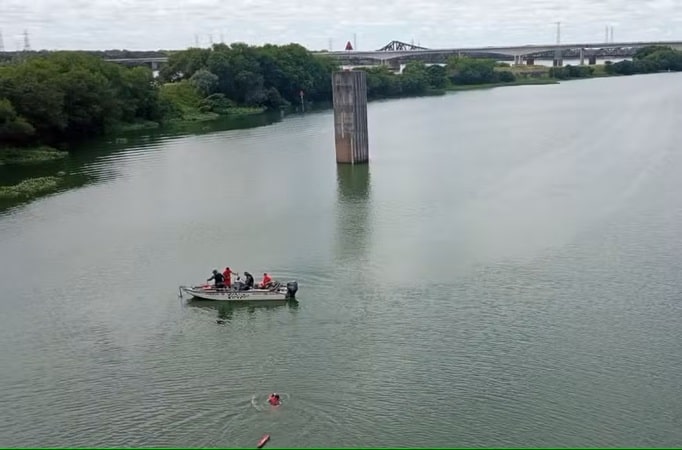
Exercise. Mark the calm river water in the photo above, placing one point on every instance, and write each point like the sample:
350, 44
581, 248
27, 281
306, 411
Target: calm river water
505, 272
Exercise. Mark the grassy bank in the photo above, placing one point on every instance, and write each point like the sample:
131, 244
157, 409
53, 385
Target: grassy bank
136, 126
537, 75
521, 82
30, 188
30, 155
186, 104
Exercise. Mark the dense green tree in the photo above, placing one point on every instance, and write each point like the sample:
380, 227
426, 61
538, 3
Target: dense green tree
466, 70
414, 79
13, 128
182, 65
204, 81
437, 76
647, 60
382, 83
67, 95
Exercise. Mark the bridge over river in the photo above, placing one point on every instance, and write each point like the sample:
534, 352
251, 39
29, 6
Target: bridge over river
396, 53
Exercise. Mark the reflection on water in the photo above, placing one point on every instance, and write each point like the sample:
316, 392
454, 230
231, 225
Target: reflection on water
353, 182
354, 191
227, 310
94, 161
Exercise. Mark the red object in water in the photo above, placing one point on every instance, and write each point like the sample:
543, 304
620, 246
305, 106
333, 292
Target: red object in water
263, 440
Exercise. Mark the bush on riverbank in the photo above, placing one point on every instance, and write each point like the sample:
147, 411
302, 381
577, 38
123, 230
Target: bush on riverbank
188, 104
568, 72
29, 188
14, 155
648, 60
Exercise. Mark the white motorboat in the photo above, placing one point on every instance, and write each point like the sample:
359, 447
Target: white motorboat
277, 291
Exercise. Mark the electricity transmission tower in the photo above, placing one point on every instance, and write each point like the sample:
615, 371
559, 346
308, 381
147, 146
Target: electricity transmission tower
27, 44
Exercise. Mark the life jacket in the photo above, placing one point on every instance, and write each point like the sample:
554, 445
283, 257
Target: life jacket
266, 280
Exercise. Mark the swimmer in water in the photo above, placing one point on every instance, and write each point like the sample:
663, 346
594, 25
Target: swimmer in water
274, 399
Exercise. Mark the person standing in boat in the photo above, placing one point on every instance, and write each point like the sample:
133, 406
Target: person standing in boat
227, 274
218, 279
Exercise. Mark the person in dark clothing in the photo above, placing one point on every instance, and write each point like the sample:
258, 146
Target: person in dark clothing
248, 281
219, 279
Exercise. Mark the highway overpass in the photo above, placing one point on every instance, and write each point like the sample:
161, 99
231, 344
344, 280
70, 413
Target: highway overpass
518, 53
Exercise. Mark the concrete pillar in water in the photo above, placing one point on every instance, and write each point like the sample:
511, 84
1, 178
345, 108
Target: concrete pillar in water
530, 61
592, 60
349, 93
582, 56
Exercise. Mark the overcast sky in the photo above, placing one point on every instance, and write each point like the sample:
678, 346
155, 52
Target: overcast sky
173, 24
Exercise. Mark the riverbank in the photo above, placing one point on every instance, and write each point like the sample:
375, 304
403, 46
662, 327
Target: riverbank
30, 155
48, 179
30, 188
520, 82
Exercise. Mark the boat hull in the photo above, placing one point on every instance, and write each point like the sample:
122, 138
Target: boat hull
227, 295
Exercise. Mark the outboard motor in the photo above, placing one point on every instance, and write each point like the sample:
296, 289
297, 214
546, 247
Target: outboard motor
292, 287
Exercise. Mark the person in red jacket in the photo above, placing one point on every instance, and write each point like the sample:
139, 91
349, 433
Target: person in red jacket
274, 399
266, 281
228, 277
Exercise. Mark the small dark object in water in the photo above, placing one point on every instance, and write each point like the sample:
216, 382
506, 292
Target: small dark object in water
220, 321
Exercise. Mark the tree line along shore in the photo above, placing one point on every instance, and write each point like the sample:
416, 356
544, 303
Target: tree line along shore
50, 100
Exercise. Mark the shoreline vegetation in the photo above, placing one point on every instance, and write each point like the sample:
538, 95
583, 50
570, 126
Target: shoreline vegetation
30, 188
30, 155
56, 99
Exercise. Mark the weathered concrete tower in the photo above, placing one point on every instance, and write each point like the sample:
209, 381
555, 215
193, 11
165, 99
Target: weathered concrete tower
349, 91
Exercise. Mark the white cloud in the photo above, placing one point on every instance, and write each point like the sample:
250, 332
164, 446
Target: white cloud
154, 24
